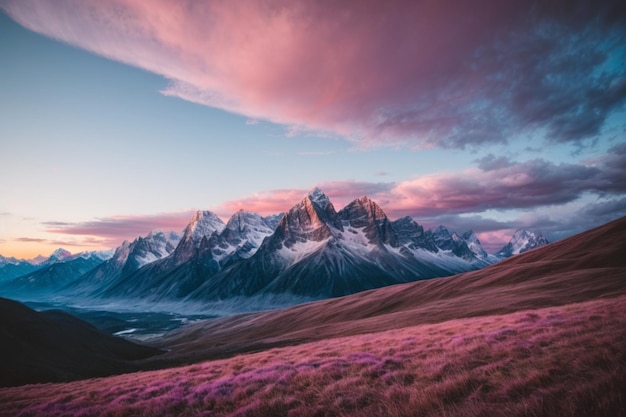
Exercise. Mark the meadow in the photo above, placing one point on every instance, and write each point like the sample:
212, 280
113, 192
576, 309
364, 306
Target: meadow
557, 361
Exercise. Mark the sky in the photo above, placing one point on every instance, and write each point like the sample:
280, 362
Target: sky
118, 117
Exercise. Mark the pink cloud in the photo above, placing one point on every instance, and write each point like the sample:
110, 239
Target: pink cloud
265, 202
461, 199
424, 73
496, 184
111, 231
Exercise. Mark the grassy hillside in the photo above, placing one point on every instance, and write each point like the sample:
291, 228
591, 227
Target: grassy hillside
558, 361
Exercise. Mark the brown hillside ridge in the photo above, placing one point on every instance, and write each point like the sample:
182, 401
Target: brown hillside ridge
587, 266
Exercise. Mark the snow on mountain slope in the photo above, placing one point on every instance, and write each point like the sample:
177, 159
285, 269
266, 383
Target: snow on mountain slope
198, 256
202, 225
103, 255
473, 243
242, 235
156, 245
412, 235
9, 261
522, 241
127, 258
59, 255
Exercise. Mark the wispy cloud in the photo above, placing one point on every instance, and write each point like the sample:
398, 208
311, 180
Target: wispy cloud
30, 240
429, 73
110, 231
80, 242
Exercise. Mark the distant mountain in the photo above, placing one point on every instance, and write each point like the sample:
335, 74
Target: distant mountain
53, 276
522, 241
39, 259
59, 255
127, 258
8, 261
14, 268
207, 247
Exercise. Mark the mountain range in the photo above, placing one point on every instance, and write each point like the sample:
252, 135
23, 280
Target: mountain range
312, 251
11, 268
543, 286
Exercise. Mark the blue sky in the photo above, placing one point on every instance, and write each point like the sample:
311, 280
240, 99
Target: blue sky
97, 146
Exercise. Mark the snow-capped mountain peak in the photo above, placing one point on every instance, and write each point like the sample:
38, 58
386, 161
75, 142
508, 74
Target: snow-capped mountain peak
473, 243
203, 223
317, 197
103, 255
244, 233
364, 213
442, 238
59, 255
8, 260
522, 240
273, 220
154, 246
243, 220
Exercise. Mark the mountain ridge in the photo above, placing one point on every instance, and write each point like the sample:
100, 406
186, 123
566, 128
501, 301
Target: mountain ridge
312, 251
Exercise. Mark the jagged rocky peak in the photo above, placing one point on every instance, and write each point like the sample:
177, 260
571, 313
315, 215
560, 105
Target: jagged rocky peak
407, 230
320, 209
452, 242
365, 213
245, 225
473, 243
412, 234
244, 233
244, 220
60, 255
273, 220
311, 219
362, 212
317, 197
203, 223
121, 254
522, 240
315, 210
155, 245
442, 238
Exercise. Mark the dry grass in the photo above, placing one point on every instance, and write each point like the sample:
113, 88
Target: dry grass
558, 361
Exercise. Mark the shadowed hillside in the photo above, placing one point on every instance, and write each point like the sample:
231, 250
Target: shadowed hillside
55, 346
